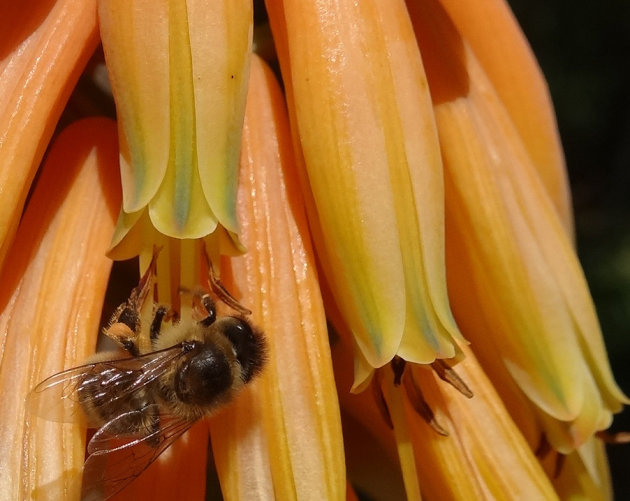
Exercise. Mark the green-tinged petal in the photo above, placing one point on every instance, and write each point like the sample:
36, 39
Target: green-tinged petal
179, 71
360, 108
179, 208
128, 236
363, 371
348, 168
500, 46
282, 437
516, 267
135, 37
504, 270
221, 35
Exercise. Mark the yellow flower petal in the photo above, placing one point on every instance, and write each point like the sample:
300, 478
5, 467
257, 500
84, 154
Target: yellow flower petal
54, 283
130, 235
485, 455
220, 65
178, 73
505, 237
135, 37
282, 437
494, 36
362, 115
584, 475
37, 74
371, 457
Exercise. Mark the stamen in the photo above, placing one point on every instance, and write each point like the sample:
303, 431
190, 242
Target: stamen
398, 366
379, 399
446, 373
544, 447
141, 291
219, 289
420, 405
621, 437
560, 460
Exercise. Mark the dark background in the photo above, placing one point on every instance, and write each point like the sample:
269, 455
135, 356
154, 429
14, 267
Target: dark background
584, 51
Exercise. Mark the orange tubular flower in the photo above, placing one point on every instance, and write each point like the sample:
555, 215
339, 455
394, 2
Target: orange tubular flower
54, 282
179, 73
482, 438
524, 303
363, 122
491, 31
282, 438
516, 286
414, 140
43, 49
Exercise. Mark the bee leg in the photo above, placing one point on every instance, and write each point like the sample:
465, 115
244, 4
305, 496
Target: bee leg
124, 328
204, 304
124, 324
124, 333
161, 314
140, 293
219, 289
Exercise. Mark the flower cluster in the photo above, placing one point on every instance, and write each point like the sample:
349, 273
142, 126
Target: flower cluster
396, 216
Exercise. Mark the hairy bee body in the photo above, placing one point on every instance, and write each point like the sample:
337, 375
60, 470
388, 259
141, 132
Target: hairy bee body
207, 375
178, 371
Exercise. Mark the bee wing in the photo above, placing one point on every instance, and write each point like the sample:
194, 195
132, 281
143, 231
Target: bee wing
114, 461
97, 385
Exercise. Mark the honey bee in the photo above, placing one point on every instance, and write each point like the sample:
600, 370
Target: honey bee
180, 372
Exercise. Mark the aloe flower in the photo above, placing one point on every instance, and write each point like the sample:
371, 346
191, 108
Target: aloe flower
526, 292
291, 421
38, 74
179, 74
410, 152
524, 298
54, 284
366, 131
512, 68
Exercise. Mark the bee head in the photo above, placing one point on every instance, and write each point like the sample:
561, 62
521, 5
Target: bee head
204, 376
249, 345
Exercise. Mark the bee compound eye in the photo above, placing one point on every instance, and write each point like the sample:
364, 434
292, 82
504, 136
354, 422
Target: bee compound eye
203, 378
249, 346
